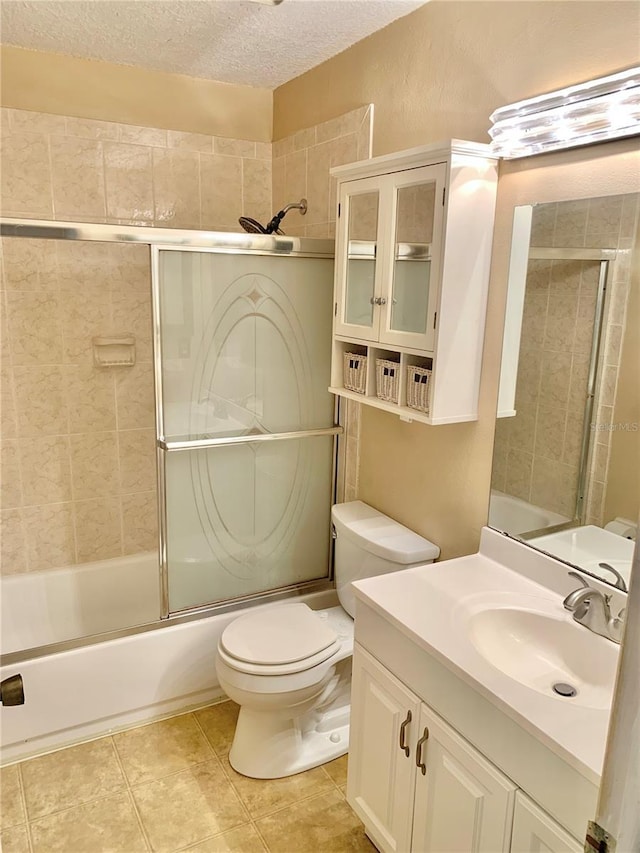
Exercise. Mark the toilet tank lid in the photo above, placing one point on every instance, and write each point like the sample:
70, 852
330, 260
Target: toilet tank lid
381, 535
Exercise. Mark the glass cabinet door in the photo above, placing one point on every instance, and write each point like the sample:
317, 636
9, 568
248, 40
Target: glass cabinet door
360, 208
413, 274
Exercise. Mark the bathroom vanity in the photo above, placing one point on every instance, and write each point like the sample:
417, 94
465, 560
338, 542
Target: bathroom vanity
458, 740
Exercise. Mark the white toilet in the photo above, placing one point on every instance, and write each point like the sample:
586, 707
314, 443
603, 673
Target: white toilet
289, 667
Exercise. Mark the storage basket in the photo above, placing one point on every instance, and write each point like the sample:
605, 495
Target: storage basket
418, 382
355, 372
387, 379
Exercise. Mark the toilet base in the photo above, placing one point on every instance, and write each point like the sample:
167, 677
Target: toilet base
267, 746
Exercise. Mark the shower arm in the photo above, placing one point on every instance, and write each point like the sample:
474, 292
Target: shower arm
273, 226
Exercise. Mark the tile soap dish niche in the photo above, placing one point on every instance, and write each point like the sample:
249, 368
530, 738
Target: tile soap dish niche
114, 351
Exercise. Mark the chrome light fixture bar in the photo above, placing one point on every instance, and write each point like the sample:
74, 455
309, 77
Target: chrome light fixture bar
594, 111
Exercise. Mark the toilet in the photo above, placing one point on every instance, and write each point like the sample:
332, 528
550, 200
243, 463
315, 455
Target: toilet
289, 667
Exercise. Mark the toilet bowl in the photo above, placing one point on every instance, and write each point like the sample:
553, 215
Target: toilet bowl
289, 667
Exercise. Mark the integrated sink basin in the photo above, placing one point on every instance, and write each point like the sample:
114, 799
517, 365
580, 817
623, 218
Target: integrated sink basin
547, 652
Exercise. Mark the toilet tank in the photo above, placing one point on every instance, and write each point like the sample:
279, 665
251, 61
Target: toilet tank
369, 543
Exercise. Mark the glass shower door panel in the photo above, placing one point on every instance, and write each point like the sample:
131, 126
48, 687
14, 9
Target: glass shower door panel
244, 519
245, 343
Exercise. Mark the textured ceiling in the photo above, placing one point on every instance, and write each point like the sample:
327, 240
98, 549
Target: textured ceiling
236, 41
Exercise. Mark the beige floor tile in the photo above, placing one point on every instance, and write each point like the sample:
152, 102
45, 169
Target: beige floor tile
15, 840
242, 840
70, 777
337, 769
104, 826
219, 725
263, 796
322, 823
188, 807
159, 749
11, 807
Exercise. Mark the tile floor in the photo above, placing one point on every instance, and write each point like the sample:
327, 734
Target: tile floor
168, 786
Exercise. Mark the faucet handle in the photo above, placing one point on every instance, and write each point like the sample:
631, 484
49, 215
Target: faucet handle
578, 577
616, 625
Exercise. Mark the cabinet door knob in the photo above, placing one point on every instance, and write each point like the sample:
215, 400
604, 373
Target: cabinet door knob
403, 728
419, 761
380, 300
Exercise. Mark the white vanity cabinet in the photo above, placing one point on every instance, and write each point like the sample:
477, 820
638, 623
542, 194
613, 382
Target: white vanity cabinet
414, 782
534, 830
413, 249
419, 787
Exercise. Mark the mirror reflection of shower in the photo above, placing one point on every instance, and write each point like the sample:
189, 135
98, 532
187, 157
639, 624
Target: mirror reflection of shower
252, 226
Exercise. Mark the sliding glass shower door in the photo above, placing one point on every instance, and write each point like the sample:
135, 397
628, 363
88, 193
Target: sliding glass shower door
245, 422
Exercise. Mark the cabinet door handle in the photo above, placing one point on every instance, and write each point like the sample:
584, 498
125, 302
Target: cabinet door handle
419, 761
380, 300
403, 728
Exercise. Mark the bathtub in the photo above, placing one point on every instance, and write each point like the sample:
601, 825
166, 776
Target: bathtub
39, 608
515, 516
94, 689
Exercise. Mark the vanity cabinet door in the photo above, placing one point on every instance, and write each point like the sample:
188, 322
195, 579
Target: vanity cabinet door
534, 831
462, 802
381, 777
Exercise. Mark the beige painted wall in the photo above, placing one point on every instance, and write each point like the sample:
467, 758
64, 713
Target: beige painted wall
623, 489
435, 74
442, 70
86, 88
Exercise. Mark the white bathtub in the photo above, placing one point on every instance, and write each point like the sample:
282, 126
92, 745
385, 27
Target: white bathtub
94, 689
39, 608
515, 516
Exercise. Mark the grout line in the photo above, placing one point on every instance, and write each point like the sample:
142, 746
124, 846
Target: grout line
77, 805
23, 798
261, 836
132, 800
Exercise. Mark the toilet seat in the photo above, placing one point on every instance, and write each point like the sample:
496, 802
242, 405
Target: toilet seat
278, 641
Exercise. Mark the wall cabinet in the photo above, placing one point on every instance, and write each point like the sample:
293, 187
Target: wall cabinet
413, 250
419, 787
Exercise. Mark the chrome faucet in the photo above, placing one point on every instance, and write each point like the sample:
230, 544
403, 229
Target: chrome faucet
591, 608
620, 581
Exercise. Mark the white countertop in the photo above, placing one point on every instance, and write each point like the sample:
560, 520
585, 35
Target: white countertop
424, 604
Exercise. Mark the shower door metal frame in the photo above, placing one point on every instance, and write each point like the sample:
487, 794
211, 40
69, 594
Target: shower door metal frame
603, 257
179, 239
165, 446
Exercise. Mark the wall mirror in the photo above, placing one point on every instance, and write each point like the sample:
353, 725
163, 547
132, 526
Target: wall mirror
566, 461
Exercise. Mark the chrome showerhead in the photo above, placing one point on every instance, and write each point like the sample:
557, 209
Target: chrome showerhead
254, 227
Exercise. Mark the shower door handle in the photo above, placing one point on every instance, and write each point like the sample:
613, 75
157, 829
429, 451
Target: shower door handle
403, 728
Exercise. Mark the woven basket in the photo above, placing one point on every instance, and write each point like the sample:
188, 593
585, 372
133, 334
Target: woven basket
418, 382
387, 379
355, 372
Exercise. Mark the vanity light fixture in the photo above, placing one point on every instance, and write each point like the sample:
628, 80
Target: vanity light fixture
594, 111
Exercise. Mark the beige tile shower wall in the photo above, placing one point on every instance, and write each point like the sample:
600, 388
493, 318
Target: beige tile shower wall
301, 164
59, 167
78, 462
537, 453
